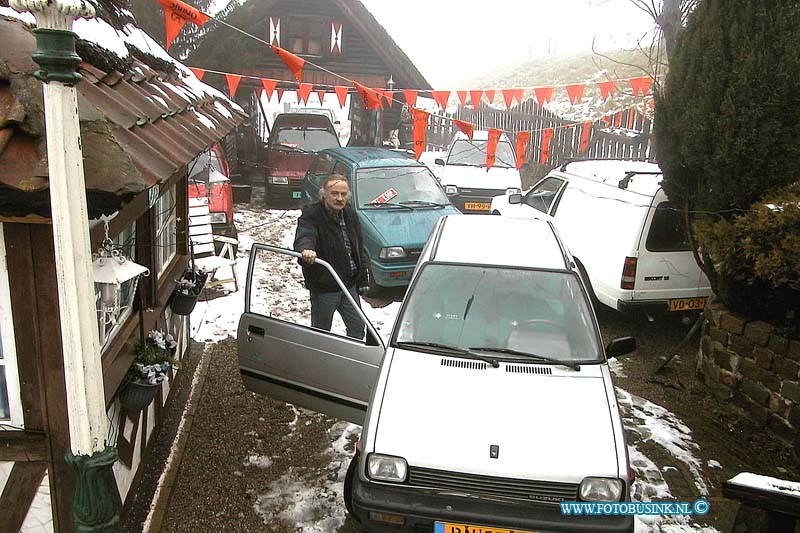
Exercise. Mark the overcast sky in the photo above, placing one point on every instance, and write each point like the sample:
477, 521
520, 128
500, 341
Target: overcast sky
453, 40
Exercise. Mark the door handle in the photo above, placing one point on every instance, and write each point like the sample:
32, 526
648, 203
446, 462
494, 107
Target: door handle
255, 330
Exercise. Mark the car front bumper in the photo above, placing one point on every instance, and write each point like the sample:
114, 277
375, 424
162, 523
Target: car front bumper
477, 201
392, 274
284, 193
421, 509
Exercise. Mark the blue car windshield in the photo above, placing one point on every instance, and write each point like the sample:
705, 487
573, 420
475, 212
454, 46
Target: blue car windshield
410, 186
532, 311
473, 153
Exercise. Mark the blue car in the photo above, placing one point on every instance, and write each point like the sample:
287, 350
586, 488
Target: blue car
397, 200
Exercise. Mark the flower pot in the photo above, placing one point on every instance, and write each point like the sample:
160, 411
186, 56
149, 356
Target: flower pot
137, 396
181, 302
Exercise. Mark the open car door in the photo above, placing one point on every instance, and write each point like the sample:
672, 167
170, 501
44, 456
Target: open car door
308, 367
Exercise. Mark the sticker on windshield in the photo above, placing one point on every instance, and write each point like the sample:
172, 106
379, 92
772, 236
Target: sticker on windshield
385, 197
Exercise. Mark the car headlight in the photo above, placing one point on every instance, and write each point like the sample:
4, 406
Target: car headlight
279, 180
600, 489
512, 190
218, 218
451, 189
386, 468
392, 252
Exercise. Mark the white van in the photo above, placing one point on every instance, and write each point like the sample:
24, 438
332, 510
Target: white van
626, 237
493, 401
464, 176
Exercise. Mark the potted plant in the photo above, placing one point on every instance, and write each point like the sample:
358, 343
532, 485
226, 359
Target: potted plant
154, 358
187, 289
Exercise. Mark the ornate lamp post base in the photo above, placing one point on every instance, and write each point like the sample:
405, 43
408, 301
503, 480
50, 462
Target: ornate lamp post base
93, 507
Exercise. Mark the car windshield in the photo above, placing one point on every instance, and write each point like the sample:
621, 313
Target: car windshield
410, 186
309, 140
466, 152
543, 313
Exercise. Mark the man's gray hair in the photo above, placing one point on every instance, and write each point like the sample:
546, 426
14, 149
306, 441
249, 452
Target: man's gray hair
327, 183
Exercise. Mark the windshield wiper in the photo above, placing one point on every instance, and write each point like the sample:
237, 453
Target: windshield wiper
455, 349
423, 202
390, 204
573, 366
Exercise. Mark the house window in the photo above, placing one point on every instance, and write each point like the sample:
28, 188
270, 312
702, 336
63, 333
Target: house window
305, 36
166, 230
10, 401
109, 326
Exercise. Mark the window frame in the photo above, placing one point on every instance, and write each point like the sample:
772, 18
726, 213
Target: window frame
301, 28
551, 207
107, 337
9, 347
164, 219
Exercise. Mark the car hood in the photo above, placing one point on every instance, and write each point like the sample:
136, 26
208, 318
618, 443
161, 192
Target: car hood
402, 227
548, 427
479, 178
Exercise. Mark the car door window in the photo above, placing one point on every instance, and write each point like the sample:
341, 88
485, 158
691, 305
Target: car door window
341, 168
322, 169
543, 195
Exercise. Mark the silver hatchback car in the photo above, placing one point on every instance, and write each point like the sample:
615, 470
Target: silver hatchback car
492, 402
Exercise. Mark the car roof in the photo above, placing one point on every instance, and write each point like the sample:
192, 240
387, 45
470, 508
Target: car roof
308, 120
612, 171
487, 239
478, 135
367, 157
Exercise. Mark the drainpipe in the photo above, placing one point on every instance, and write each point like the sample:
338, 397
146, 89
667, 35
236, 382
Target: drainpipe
93, 508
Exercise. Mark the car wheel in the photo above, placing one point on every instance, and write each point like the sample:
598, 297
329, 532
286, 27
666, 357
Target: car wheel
348, 487
589, 289
373, 289
495, 212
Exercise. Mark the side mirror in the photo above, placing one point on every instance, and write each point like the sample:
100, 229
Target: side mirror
515, 198
620, 346
438, 161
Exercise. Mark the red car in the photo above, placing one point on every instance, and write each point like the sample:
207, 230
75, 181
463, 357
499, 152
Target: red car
208, 177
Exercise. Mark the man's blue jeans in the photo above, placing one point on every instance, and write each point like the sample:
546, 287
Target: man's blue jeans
323, 305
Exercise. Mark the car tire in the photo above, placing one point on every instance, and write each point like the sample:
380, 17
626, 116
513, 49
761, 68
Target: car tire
595, 302
347, 492
495, 212
373, 289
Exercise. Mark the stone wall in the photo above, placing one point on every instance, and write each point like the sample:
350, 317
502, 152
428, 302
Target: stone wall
758, 369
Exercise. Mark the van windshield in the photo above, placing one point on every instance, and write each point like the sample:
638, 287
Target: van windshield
473, 153
411, 186
667, 230
306, 139
538, 312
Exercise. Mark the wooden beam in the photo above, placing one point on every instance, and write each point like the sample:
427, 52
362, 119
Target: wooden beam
19, 492
22, 446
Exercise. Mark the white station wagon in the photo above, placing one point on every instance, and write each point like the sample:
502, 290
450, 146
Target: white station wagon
491, 404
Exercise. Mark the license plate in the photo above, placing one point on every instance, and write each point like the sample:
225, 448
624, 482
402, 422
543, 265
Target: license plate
297, 194
477, 206
449, 527
687, 304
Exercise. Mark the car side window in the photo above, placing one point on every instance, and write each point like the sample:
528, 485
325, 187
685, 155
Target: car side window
322, 169
542, 196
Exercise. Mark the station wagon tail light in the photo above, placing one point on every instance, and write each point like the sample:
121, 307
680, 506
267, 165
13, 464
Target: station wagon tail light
386, 468
392, 252
218, 218
451, 189
628, 273
600, 489
279, 180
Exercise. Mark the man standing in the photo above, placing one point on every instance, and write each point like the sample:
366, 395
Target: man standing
330, 230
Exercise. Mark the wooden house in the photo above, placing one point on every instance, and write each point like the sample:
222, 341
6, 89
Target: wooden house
143, 119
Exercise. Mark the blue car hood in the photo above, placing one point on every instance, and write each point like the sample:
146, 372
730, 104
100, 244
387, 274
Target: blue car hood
402, 227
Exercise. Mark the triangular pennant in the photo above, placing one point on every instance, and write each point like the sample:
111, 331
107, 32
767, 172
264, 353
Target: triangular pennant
198, 72
279, 92
341, 94
465, 127
233, 83
303, 91
508, 97
293, 63
462, 97
420, 125
586, 132
489, 95
388, 96
475, 98
491, 147
519, 94
617, 119
605, 119
631, 116
441, 98
575, 92
543, 95
372, 98
321, 96
176, 14
607, 89
641, 86
523, 138
269, 87
547, 136
411, 97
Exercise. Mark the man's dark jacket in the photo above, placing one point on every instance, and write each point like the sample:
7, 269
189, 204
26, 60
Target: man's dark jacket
318, 230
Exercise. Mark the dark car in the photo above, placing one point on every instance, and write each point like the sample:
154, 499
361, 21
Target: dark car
295, 139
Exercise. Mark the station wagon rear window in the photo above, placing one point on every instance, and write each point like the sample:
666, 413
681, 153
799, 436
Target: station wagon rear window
668, 230
411, 186
473, 153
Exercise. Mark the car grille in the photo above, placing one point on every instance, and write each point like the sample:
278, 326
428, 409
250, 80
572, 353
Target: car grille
520, 489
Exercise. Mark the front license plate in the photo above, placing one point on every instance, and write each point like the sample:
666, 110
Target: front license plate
449, 527
687, 304
477, 206
297, 194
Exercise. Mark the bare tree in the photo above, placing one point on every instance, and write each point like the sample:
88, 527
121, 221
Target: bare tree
669, 16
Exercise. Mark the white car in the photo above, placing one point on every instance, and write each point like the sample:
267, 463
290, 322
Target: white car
491, 404
627, 238
465, 178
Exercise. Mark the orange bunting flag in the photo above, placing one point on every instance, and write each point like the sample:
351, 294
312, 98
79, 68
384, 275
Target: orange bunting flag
491, 147
280, 94
641, 86
508, 96
321, 96
617, 119
523, 138
586, 132
303, 92
176, 14
411, 97
489, 95
341, 94
420, 122
547, 136
293, 62
631, 116
198, 72
269, 87
372, 98
462, 97
465, 127
233, 83
543, 95
441, 98
388, 96
607, 89
575, 92
475, 98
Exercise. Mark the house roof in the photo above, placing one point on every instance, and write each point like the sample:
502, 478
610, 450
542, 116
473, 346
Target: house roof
138, 127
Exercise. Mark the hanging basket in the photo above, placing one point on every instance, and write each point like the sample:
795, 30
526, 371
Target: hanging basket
137, 396
182, 302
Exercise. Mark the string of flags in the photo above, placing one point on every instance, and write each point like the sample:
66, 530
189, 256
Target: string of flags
178, 13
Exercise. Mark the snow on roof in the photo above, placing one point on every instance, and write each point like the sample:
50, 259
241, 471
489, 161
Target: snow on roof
771, 484
98, 31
